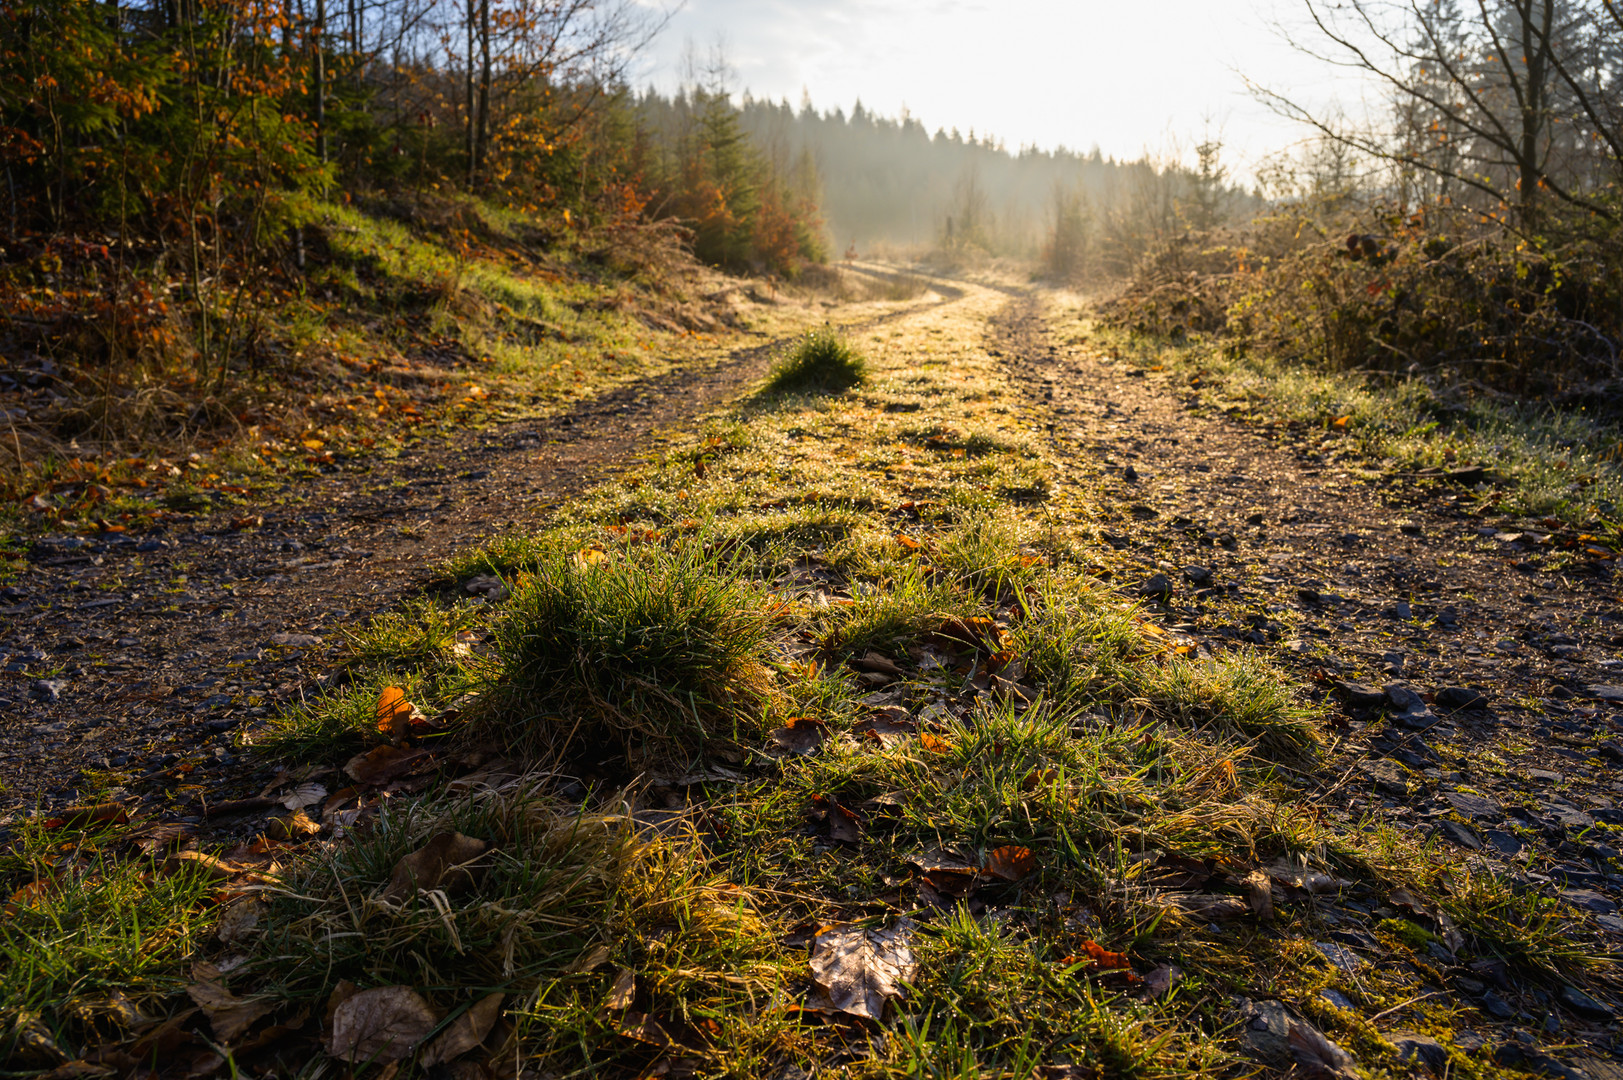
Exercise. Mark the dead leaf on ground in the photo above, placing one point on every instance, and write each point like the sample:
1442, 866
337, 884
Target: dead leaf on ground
1212, 907
293, 826
934, 744
380, 1025
466, 1032
623, 992
1099, 958
589, 961
801, 735
887, 730
442, 863
1037, 778
977, 632
229, 1015
382, 764
213, 866
877, 661
1161, 979
84, 817
1259, 894
645, 1029
239, 920
857, 971
393, 713
1010, 862
304, 795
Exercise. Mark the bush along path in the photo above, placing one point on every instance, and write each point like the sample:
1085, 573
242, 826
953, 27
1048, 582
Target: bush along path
843, 738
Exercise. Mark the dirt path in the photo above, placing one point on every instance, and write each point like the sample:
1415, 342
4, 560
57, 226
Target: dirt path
1367, 589
128, 663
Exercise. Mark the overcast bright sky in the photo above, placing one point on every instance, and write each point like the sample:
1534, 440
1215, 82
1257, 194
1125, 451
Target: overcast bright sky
1127, 75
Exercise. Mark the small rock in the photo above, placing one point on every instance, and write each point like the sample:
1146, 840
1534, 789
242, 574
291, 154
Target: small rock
1358, 695
1589, 900
1604, 692
1506, 843
1458, 835
47, 690
1410, 528
1337, 998
1198, 575
1343, 958
1272, 1034
1474, 807
295, 641
1461, 697
1582, 1004
488, 587
1158, 586
1497, 1007
1430, 1052
1130, 475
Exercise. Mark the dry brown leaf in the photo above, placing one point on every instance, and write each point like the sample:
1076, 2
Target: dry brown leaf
645, 1029
1010, 862
1161, 979
624, 990
294, 826
442, 863
466, 1032
304, 795
380, 1025
239, 920
877, 661
801, 735
393, 713
589, 961
1259, 894
1215, 908
382, 764
887, 729
857, 971
229, 1015
83, 817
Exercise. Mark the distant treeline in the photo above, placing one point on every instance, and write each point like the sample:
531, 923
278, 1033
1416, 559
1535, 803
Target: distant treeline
890, 182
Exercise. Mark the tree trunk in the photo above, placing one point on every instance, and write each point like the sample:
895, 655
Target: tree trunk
473, 120
482, 146
320, 38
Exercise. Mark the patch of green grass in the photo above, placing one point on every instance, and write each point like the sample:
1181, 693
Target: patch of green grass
660, 648
822, 362
1563, 464
89, 938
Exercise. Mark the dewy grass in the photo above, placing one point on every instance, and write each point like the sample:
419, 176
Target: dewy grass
87, 939
820, 363
809, 562
661, 648
1558, 464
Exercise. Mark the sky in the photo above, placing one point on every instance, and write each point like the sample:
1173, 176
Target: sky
1126, 75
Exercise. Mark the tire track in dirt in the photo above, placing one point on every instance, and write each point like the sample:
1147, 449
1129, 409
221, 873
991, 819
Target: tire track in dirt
128, 663
1239, 542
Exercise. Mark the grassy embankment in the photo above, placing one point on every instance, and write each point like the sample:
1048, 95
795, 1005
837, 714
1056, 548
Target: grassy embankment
408, 322
1541, 462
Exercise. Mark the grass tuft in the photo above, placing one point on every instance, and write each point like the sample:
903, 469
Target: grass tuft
822, 362
663, 649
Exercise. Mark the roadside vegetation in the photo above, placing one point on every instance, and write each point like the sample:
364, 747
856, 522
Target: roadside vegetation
1436, 280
